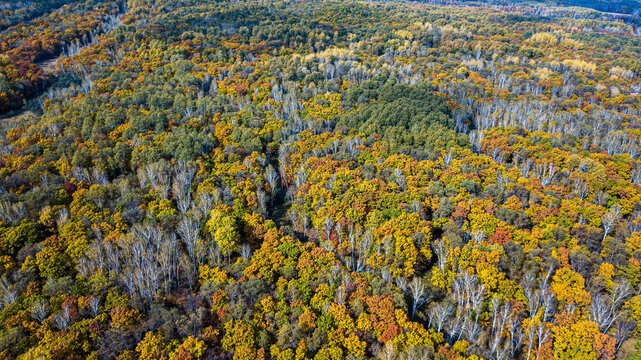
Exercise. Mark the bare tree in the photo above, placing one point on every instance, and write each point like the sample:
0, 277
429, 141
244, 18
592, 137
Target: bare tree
341, 295
185, 263
439, 313
389, 352
8, 294
469, 295
600, 198
271, 176
531, 337
549, 305
399, 178
292, 213
262, 201
546, 172
419, 293
581, 189
157, 175
526, 167
63, 318
12, 213
40, 310
476, 137
188, 231
417, 208
328, 226
624, 326
621, 291
502, 352
215, 255
401, 283
284, 162
456, 325
495, 307
417, 353
167, 259
635, 176
362, 250
478, 235
94, 305
542, 333
516, 334
206, 201
604, 310
183, 175
246, 251
447, 158
441, 250
62, 218
610, 219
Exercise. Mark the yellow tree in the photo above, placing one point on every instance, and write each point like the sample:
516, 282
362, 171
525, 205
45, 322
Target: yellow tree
223, 228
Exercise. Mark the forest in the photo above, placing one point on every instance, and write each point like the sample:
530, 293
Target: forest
298, 180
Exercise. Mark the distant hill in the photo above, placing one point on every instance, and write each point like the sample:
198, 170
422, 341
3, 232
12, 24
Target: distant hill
632, 7
621, 7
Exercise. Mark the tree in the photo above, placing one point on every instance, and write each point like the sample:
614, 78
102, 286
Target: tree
8, 293
271, 176
182, 186
151, 347
582, 340
419, 294
62, 319
94, 305
188, 230
609, 220
569, 288
439, 314
223, 228
40, 310
191, 348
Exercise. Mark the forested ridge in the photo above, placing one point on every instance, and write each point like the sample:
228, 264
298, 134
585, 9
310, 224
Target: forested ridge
608, 6
193, 179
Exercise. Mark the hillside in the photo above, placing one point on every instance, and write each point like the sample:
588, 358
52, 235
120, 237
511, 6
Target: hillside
196, 179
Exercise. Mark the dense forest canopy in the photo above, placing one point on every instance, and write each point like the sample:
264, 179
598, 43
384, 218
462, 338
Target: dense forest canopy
194, 179
611, 6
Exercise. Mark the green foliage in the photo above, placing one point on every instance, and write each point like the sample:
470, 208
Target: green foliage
410, 117
14, 238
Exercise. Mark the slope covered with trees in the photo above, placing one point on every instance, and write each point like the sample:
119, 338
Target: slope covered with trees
318, 180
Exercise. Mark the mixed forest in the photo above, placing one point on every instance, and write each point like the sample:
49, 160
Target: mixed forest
396, 180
